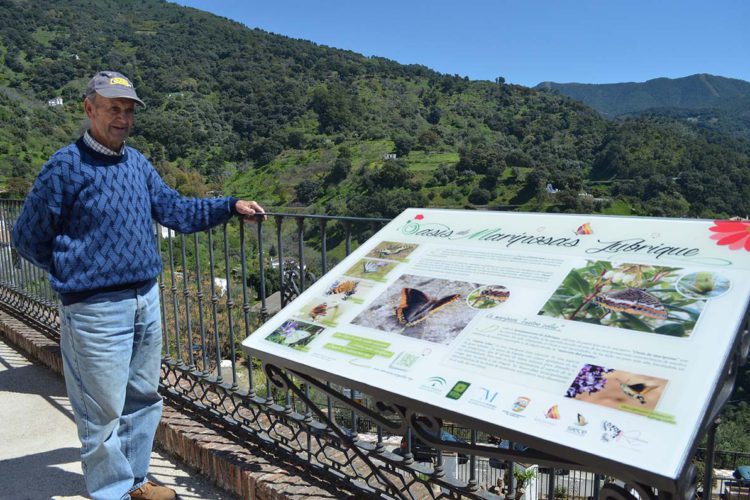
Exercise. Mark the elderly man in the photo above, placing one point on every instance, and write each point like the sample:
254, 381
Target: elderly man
88, 221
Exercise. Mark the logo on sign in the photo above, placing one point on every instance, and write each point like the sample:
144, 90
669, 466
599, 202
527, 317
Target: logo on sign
577, 427
458, 390
434, 384
484, 397
614, 434
521, 403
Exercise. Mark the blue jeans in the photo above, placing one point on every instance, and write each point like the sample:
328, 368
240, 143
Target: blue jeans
111, 349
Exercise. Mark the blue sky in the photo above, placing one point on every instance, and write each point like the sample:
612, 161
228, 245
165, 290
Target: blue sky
525, 41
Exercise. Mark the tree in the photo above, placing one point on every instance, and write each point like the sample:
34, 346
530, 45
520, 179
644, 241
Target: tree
428, 138
339, 171
333, 107
403, 144
393, 174
434, 115
480, 196
307, 190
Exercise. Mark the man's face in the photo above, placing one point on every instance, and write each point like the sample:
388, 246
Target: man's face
111, 120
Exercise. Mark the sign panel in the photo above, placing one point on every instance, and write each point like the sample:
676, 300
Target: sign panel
602, 334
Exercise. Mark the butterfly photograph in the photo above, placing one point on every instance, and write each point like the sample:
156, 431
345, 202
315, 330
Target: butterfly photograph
422, 307
616, 388
295, 334
488, 297
371, 269
636, 297
393, 250
324, 312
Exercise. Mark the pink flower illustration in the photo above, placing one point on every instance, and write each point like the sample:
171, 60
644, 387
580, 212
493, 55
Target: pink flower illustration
735, 234
419, 217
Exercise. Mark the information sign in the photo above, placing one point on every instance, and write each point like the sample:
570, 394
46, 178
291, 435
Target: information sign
606, 335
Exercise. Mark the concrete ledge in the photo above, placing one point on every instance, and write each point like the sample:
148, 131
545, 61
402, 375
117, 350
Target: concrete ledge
246, 470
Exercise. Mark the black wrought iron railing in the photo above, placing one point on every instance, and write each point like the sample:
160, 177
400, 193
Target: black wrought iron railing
216, 288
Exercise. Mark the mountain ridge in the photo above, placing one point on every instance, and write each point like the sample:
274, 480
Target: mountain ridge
699, 91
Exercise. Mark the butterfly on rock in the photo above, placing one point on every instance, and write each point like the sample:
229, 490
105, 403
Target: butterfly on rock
415, 306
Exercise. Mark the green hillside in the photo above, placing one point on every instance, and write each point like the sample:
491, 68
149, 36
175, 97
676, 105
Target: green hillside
292, 123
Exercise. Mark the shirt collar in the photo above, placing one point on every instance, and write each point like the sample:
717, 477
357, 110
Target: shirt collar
100, 148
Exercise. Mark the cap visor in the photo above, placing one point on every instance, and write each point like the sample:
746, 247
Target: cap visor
120, 94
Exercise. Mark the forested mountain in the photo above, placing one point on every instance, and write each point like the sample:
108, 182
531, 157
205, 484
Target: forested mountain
691, 92
292, 123
707, 101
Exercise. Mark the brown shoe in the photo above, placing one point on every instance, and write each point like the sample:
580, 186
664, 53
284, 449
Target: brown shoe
152, 491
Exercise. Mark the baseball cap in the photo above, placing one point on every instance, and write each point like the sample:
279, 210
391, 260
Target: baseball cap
113, 85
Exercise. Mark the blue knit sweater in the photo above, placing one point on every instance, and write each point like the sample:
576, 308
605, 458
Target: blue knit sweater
88, 219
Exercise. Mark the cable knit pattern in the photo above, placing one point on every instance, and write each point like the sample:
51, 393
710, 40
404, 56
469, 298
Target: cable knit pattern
88, 218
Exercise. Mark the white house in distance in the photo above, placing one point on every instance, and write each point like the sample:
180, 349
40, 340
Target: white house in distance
57, 101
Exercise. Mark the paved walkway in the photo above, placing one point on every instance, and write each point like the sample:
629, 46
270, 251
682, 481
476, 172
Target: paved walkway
39, 457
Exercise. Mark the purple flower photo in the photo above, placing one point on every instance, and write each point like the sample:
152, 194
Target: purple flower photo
589, 380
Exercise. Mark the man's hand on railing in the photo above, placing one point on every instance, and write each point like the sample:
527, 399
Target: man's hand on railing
249, 210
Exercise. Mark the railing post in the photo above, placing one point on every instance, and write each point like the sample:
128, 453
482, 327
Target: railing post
186, 296
551, 484
246, 308
280, 257
472, 484
323, 248
199, 295
597, 486
301, 244
348, 231
308, 419
262, 271
408, 456
439, 471
173, 290
230, 308
510, 493
214, 302
162, 287
708, 470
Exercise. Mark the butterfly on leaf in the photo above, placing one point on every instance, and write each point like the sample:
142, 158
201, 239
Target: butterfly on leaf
415, 306
346, 287
633, 301
637, 391
498, 294
319, 310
